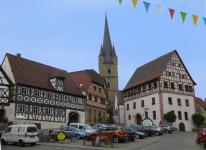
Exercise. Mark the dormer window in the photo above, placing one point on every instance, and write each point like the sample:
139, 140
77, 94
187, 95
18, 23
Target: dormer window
60, 82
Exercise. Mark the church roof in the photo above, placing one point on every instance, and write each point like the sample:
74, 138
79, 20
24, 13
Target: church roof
107, 51
151, 71
200, 102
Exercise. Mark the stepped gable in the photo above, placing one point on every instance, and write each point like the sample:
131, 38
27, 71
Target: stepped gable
35, 74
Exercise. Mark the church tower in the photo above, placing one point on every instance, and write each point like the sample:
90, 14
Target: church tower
108, 62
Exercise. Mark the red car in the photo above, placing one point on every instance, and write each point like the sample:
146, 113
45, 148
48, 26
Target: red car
203, 132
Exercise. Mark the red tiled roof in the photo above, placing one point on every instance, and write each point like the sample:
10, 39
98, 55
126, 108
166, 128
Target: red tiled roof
36, 74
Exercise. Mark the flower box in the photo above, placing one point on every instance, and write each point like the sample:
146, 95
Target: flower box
149, 89
172, 87
180, 104
165, 86
143, 90
138, 91
154, 87
170, 103
134, 107
142, 105
153, 103
127, 108
186, 118
181, 89
180, 118
187, 105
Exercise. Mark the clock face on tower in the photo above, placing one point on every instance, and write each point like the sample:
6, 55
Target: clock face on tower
108, 66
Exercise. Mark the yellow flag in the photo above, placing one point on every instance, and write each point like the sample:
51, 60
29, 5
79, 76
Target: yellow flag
195, 19
134, 2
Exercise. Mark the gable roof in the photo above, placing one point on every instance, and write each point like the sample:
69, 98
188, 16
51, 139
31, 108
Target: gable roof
35, 74
85, 78
6, 77
200, 102
152, 70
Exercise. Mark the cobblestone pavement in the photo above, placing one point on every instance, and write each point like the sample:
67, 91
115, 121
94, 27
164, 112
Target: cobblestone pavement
174, 141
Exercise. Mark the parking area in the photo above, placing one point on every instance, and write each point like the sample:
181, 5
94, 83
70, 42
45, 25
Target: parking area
176, 140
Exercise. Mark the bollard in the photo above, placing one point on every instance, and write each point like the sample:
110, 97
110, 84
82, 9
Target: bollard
68, 139
71, 138
111, 141
84, 140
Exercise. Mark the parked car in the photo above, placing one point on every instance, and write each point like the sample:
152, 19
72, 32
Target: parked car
22, 134
82, 126
110, 131
202, 132
150, 131
130, 132
140, 128
110, 125
157, 130
0, 134
74, 132
98, 126
168, 129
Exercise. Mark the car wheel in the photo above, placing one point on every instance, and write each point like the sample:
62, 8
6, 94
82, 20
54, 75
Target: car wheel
21, 143
78, 136
157, 133
141, 137
3, 142
32, 144
115, 139
168, 132
132, 139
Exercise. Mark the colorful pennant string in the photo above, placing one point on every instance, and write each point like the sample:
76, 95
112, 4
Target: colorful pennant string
204, 20
172, 11
120, 1
134, 2
146, 6
159, 9
183, 16
195, 18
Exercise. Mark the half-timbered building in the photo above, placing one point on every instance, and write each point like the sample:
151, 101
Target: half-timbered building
45, 95
5, 91
201, 109
93, 86
161, 85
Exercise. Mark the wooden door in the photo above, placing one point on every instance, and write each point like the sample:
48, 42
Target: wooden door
139, 119
181, 127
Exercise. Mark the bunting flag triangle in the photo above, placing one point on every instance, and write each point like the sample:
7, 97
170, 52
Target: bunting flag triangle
183, 16
195, 18
134, 2
146, 5
159, 9
120, 1
172, 11
204, 20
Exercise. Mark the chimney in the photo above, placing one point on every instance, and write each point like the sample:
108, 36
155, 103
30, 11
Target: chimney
18, 55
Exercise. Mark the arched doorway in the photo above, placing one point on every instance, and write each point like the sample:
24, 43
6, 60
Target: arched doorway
73, 117
181, 127
139, 119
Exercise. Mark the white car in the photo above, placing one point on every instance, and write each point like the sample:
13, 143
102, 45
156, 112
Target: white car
22, 134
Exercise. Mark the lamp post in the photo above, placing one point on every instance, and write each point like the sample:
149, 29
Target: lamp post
107, 117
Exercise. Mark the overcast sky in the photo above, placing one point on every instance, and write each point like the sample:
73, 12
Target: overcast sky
67, 34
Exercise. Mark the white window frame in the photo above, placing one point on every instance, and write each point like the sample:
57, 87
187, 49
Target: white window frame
59, 112
71, 99
24, 90
49, 95
37, 93
60, 82
60, 97
80, 101
48, 111
35, 110
22, 108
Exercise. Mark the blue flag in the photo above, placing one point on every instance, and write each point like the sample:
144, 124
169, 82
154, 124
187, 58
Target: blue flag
146, 5
205, 20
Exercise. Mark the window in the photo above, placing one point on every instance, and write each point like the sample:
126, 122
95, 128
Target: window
153, 101
99, 90
95, 98
190, 87
169, 73
180, 86
142, 103
94, 115
170, 100
35, 110
150, 86
90, 111
60, 97
127, 106
109, 71
48, 111
95, 87
134, 104
155, 83
129, 117
8, 130
90, 97
179, 101
80, 102
108, 85
187, 102
60, 82
173, 64
99, 114
186, 87
24, 90
102, 101
179, 65
183, 76
22, 108
37, 93
179, 115
71, 99
49, 95
143, 87
165, 84
139, 89
186, 116
59, 112
172, 85
154, 115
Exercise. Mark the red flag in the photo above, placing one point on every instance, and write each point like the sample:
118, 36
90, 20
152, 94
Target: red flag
172, 11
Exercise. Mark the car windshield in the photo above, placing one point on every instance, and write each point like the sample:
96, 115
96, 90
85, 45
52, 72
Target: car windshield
31, 129
76, 129
88, 127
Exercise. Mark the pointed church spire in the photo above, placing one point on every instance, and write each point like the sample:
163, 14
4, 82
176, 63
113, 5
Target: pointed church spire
101, 51
107, 46
113, 51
